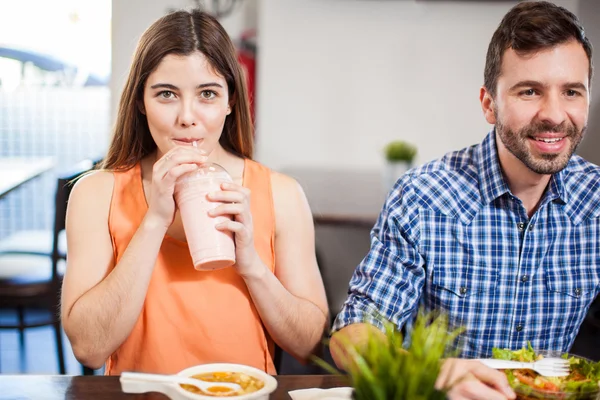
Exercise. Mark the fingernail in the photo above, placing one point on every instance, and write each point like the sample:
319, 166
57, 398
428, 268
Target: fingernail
510, 392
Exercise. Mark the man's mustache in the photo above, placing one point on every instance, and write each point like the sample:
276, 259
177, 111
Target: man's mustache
542, 127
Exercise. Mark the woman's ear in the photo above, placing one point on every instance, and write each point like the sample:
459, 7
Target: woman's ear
231, 104
487, 105
141, 107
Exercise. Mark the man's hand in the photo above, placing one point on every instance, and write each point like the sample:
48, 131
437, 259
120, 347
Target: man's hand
471, 380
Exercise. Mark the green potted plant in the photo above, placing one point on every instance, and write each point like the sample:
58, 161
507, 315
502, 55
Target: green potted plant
382, 369
399, 156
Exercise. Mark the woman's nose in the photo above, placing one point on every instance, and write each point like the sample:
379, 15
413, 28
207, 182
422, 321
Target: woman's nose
187, 114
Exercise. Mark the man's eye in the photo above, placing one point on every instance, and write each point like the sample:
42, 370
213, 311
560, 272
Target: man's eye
572, 93
528, 92
208, 94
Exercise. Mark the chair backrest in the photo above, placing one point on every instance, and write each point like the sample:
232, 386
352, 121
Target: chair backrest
65, 182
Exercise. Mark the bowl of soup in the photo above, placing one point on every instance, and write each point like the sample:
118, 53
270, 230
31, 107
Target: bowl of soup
254, 383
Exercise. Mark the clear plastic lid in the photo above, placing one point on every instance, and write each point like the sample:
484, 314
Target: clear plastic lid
206, 171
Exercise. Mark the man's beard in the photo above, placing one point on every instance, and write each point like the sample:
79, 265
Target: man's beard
545, 163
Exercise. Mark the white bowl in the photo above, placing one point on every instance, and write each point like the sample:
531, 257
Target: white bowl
176, 392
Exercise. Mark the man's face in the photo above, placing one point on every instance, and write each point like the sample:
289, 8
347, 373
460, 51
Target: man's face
541, 106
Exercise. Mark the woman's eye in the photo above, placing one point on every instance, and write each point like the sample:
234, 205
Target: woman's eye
166, 94
208, 94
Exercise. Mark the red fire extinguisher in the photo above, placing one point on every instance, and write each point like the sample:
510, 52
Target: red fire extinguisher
247, 59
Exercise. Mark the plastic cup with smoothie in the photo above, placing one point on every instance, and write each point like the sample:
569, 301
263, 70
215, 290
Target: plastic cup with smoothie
210, 248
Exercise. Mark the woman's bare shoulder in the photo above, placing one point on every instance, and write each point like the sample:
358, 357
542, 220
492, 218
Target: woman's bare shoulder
285, 187
290, 203
96, 184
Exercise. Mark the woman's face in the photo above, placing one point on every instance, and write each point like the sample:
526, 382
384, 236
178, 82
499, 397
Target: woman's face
186, 101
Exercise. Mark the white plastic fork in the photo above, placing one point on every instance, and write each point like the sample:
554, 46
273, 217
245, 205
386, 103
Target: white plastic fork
549, 366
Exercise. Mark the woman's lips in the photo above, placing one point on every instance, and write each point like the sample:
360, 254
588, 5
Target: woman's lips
187, 142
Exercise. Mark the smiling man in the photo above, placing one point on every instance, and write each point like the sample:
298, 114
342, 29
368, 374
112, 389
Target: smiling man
503, 236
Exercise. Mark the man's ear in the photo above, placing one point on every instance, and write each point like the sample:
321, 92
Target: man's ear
487, 105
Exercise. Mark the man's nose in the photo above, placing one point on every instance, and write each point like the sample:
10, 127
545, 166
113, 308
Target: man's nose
552, 111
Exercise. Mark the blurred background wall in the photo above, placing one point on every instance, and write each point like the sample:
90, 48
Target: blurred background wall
338, 79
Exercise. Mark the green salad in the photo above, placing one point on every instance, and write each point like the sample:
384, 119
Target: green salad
584, 376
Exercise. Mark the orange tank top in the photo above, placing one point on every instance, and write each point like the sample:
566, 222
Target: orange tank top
191, 317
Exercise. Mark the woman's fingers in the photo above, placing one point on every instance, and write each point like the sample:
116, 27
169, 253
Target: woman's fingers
227, 197
177, 156
175, 172
241, 232
227, 209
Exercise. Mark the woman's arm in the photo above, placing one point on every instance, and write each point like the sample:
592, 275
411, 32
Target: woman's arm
100, 304
292, 302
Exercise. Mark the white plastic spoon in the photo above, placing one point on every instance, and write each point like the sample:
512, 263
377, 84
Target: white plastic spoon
180, 380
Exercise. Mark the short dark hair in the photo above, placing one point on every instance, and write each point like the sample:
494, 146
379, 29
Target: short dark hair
529, 27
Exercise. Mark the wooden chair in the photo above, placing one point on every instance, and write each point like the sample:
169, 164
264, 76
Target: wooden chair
32, 266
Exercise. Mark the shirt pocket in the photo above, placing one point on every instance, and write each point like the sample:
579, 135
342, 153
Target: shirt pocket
572, 284
465, 282
569, 291
465, 293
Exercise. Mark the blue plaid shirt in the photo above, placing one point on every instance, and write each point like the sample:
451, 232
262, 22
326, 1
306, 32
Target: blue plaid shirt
452, 237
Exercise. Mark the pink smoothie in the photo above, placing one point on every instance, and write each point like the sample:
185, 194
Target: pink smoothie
210, 248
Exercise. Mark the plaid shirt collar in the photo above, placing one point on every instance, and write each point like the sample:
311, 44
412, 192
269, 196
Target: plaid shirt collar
491, 179
564, 188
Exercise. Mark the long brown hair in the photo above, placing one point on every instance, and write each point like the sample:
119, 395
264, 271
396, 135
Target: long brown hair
180, 33
530, 27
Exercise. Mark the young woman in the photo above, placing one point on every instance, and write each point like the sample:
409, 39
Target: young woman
131, 296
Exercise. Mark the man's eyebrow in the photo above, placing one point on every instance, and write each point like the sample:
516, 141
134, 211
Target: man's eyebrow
521, 84
576, 85
529, 83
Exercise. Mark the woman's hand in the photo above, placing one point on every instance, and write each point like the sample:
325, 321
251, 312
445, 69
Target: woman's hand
236, 203
165, 172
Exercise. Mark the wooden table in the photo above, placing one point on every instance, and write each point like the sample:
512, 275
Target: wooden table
55, 387
340, 196
15, 171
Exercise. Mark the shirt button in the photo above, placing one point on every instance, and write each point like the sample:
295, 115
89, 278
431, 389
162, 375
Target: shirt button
530, 227
577, 292
524, 278
463, 290
519, 328
521, 226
